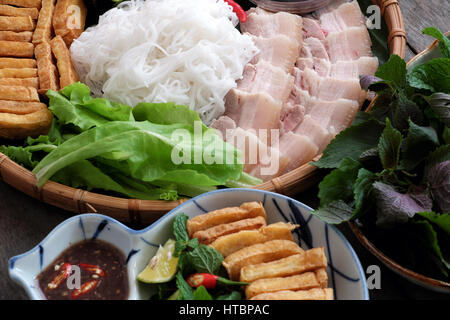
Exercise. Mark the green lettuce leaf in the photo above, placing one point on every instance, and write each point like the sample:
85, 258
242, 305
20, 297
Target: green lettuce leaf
433, 76
444, 42
441, 220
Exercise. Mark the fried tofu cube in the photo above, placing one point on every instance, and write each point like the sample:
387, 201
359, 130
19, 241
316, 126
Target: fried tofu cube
312, 294
43, 30
69, 19
16, 49
20, 82
15, 126
14, 93
67, 72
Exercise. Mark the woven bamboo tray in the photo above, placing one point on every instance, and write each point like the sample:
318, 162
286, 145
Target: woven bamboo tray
145, 211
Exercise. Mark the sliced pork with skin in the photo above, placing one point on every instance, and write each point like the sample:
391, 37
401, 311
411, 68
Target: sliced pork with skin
264, 77
291, 116
336, 115
265, 24
350, 44
279, 51
252, 110
314, 48
312, 28
297, 149
345, 16
313, 130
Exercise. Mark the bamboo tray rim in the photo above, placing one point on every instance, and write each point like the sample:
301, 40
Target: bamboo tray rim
147, 211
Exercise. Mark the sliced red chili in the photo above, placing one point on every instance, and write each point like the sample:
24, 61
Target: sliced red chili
241, 14
66, 270
209, 281
92, 269
85, 289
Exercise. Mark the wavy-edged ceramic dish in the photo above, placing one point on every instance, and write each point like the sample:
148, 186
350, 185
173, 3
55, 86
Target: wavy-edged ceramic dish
345, 273
436, 285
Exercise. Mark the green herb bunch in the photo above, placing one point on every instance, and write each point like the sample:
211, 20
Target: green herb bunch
391, 168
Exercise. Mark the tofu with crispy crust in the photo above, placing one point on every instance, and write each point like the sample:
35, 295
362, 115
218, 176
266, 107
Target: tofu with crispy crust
312, 294
67, 73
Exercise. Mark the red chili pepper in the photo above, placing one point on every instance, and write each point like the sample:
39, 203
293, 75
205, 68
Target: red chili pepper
238, 10
66, 270
93, 269
209, 281
85, 288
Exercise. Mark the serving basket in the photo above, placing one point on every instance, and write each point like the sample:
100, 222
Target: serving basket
147, 211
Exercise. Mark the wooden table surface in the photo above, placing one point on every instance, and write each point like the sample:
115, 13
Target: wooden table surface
24, 222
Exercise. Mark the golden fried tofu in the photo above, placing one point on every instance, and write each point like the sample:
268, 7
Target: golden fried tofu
24, 36
211, 234
312, 294
23, 3
48, 74
18, 73
304, 281
16, 23
67, 73
17, 63
322, 277
43, 32
14, 126
69, 19
231, 243
6, 10
223, 216
259, 253
20, 107
20, 82
16, 49
294, 264
14, 93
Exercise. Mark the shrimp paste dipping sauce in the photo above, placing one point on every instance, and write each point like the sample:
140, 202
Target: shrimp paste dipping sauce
102, 273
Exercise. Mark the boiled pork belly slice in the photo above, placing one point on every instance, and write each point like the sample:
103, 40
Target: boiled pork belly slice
297, 150
291, 116
313, 130
330, 89
312, 28
265, 24
264, 77
313, 48
345, 16
335, 116
350, 44
279, 51
252, 110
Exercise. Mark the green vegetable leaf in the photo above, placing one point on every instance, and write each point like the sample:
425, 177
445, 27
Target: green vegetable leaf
419, 142
444, 42
362, 192
403, 110
440, 155
351, 143
165, 113
440, 103
186, 292
389, 146
205, 259
438, 177
335, 213
179, 227
394, 71
234, 295
433, 76
441, 220
202, 294
19, 155
338, 185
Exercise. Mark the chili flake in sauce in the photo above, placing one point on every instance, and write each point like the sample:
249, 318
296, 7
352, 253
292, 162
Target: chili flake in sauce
103, 273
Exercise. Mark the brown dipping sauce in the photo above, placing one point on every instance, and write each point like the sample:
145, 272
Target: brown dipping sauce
103, 272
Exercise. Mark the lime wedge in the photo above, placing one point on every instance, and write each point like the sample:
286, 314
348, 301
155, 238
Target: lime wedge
162, 267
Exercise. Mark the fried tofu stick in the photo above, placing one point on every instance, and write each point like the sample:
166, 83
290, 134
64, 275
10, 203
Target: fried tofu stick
18, 93
231, 243
69, 19
43, 30
294, 264
322, 277
17, 63
20, 107
24, 36
16, 24
23, 3
209, 235
259, 253
18, 82
48, 74
16, 49
11, 11
67, 73
226, 215
18, 73
312, 294
14, 126
304, 281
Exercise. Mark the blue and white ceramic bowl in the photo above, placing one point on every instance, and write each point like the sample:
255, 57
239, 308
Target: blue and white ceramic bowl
346, 276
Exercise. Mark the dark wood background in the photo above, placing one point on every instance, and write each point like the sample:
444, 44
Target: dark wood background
24, 222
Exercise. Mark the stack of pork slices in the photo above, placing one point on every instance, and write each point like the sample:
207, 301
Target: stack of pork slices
301, 89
